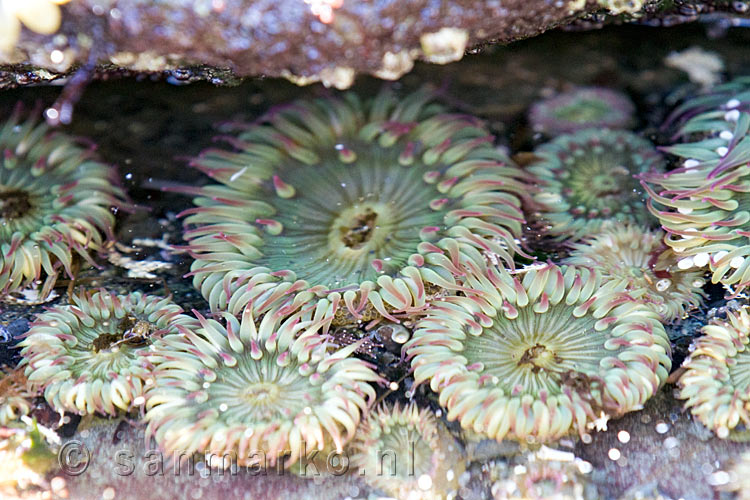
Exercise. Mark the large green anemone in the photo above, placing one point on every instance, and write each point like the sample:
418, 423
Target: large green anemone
55, 201
369, 201
704, 204
538, 357
408, 453
90, 356
253, 392
582, 108
638, 258
716, 380
587, 181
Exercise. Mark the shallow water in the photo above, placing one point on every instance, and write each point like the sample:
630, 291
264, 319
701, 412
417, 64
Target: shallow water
150, 129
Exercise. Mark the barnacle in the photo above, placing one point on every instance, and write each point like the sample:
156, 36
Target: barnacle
15, 395
638, 258
703, 204
40, 16
716, 380
255, 391
55, 204
581, 108
587, 181
90, 356
408, 453
538, 357
362, 202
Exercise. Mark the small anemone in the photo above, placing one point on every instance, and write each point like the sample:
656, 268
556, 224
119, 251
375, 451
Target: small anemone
90, 356
582, 108
638, 258
16, 395
539, 357
716, 378
368, 203
55, 204
703, 204
256, 391
408, 453
587, 181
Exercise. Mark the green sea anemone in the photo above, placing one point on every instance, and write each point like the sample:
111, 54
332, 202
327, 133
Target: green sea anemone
255, 391
408, 453
538, 357
582, 108
366, 203
703, 204
90, 356
716, 380
55, 204
16, 395
638, 258
587, 181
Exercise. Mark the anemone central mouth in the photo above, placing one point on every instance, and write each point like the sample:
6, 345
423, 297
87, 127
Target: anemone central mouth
14, 204
105, 341
538, 357
584, 111
360, 229
261, 393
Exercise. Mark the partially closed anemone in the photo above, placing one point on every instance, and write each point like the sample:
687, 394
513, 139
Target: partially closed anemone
364, 202
90, 356
257, 392
637, 257
539, 355
704, 205
582, 108
716, 380
587, 181
55, 201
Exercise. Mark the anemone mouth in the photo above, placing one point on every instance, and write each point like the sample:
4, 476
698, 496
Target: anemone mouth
55, 204
539, 358
242, 387
339, 196
582, 108
716, 378
638, 258
588, 180
99, 346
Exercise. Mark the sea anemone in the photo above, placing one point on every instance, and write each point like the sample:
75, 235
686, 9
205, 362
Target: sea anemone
408, 453
587, 181
702, 204
90, 356
16, 395
255, 391
40, 16
365, 202
537, 358
638, 258
716, 380
55, 204
581, 108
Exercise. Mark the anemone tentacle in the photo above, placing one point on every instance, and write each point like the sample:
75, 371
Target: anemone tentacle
539, 357
704, 204
716, 380
639, 259
367, 201
55, 201
255, 390
587, 181
91, 356
582, 108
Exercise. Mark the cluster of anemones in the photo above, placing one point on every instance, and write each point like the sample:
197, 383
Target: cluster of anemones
55, 201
